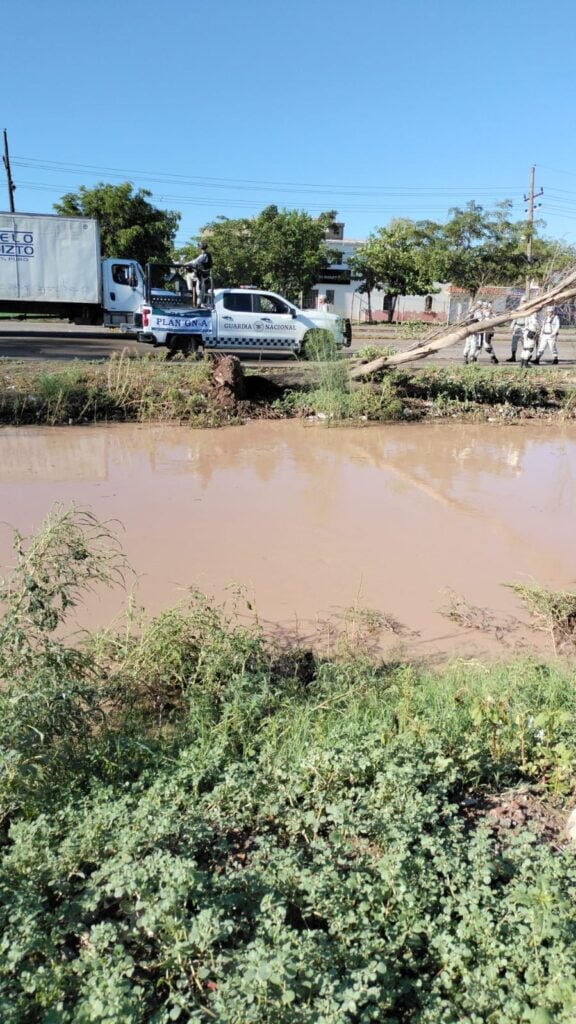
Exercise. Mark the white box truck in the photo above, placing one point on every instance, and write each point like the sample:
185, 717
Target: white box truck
52, 266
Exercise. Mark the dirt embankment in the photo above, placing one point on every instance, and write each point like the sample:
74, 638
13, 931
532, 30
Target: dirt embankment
221, 389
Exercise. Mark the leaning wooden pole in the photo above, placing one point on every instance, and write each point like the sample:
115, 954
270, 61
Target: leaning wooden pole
564, 289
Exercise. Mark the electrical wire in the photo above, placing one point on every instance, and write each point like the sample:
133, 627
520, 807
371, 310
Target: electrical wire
260, 184
234, 193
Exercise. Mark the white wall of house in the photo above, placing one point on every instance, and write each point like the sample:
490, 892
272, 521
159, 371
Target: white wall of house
344, 298
433, 308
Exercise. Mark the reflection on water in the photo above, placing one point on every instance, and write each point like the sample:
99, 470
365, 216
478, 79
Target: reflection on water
312, 520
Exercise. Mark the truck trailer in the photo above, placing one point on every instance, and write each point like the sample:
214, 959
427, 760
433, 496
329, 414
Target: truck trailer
52, 266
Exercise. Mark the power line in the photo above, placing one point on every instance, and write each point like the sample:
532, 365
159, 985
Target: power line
233, 193
556, 170
244, 184
207, 200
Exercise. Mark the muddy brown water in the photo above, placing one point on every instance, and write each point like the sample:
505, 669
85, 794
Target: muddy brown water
321, 527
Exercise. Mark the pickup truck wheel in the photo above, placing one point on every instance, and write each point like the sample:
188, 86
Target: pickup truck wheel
177, 343
318, 345
197, 346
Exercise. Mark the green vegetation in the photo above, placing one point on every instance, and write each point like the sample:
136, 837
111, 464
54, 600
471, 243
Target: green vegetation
335, 400
281, 250
474, 248
402, 259
431, 393
554, 610
330, 394
485, 386
197, 825
130, 226
284, 250
121, 389
186, 391
411, 330
319, 345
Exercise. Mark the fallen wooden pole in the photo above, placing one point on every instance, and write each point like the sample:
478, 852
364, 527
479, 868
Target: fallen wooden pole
565, 289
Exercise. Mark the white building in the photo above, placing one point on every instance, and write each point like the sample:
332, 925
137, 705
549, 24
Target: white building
341, 293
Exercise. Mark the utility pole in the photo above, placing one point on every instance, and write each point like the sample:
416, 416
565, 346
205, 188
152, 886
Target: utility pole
11, 185
530, 230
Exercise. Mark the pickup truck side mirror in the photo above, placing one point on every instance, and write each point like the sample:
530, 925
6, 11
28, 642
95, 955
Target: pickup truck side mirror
293, 314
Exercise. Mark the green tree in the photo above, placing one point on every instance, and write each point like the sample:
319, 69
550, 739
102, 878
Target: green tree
232, 248
550, 257
362, 270
283, 250
403, 257
130, 226
481, 247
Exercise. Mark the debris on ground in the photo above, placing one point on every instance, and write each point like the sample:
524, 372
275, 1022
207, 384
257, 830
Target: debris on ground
516, 809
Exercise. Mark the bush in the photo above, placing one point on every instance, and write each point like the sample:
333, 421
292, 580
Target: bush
319, 345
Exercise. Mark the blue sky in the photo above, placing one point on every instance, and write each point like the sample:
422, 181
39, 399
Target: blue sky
378, 108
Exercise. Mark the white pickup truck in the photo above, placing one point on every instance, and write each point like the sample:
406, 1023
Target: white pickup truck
240, 320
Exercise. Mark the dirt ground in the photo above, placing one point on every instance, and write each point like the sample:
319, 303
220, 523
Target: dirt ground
514, 810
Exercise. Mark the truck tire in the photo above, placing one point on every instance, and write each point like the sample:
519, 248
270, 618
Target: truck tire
318, 345
197, 343
177, 343
187, 344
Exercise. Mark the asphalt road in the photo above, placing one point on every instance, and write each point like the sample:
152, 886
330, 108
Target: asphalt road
62, 341
29, 340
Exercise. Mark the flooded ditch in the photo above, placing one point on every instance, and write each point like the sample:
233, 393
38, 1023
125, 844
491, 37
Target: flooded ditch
369, 531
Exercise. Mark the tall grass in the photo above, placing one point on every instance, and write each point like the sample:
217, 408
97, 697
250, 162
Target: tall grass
333, 396
120, 389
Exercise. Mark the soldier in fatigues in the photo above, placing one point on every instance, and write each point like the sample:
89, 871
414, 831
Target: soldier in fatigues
471, 343
485, 338
549, 335
200, 269
530, 332
517, 337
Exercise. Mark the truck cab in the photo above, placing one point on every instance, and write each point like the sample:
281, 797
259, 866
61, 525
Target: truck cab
250, 319
123, 291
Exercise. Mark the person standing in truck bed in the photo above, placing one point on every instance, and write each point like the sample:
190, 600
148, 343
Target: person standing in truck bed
202, 268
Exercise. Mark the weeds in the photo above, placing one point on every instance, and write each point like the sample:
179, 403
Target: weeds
553, 610
319, 345
121, 389
337, 400
370, 352
71, 553
471, 616
480, 385
152, 389
198, 825
412, 329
